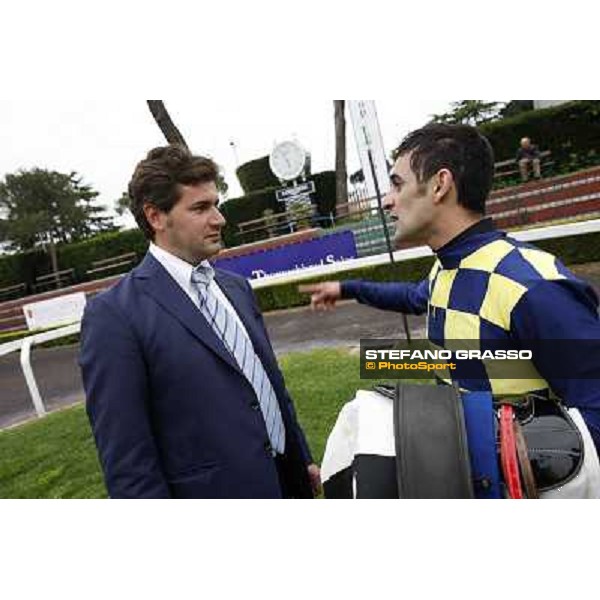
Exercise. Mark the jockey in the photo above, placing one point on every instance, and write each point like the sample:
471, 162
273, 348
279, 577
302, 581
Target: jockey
484, 286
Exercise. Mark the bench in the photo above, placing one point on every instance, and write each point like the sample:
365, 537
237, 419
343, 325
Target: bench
510, 167
110, 264
286, 222
56, 280
277, 223
12, 291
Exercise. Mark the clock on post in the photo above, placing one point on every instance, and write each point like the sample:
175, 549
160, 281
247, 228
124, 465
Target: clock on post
287, 160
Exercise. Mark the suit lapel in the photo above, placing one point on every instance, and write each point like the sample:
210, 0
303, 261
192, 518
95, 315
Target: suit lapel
157, 283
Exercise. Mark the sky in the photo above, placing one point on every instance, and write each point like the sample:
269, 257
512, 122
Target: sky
103, 139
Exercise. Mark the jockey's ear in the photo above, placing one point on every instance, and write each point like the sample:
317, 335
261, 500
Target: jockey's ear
441, 185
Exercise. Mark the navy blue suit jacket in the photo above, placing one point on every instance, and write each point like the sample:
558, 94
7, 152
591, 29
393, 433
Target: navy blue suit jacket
171, 412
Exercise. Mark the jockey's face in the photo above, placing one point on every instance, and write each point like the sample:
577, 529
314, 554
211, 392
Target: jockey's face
409, 203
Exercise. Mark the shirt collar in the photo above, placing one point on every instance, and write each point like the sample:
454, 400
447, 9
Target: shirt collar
466, 242
179, 269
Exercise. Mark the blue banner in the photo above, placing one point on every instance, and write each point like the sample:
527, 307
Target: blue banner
328, 249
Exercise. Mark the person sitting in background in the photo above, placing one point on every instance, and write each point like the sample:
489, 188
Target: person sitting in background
528, 155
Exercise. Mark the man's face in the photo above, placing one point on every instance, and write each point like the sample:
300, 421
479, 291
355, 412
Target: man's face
192, 229
409, 203
525, 143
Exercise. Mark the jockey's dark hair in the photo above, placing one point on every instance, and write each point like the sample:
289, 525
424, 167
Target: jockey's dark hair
459, 148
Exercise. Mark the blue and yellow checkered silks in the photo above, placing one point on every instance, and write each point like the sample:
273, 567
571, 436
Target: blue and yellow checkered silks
475, 301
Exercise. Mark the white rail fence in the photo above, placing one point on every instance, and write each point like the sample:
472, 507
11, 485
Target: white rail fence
527, 235
24, 344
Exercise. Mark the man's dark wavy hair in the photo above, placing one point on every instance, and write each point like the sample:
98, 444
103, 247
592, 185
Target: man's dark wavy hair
459, 148
158, 179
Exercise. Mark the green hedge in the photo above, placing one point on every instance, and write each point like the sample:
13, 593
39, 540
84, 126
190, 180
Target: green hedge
256, 175
24, 267
571, 131
325, 191
572, 250
246, 208
11, 336
286, 295
81, 256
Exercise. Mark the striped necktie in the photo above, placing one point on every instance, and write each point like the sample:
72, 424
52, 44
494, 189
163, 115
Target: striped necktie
240, 347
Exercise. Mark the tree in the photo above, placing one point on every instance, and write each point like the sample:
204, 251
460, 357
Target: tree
123, 204
470, 112
165, 123
341, 172
173, 136
516, 107
39, 207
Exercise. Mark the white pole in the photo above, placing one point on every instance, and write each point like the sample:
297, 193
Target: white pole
29, 377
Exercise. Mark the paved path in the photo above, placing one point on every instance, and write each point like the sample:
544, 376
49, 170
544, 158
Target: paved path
298, 329
301, 329
57, 376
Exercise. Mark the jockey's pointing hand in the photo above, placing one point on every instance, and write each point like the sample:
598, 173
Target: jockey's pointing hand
323, 296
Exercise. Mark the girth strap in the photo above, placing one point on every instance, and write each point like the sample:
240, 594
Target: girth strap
508, 452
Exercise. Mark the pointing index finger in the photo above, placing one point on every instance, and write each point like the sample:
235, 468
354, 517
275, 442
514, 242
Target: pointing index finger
308, 288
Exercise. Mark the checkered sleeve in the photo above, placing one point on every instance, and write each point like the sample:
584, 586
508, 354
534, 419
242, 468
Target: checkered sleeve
410, 298
564, 310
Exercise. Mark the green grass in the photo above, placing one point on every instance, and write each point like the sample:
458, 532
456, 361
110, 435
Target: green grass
55, 457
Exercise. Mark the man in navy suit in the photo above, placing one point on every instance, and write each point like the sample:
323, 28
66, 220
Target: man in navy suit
184, 393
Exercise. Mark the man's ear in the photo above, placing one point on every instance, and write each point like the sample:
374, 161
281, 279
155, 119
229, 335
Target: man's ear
443, 183
154, 216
